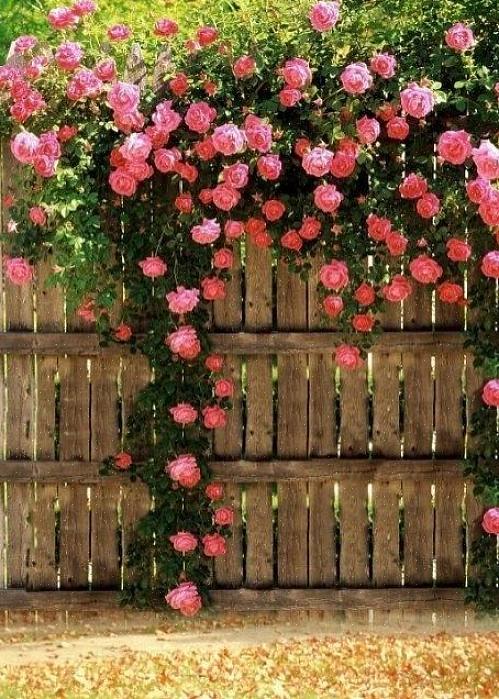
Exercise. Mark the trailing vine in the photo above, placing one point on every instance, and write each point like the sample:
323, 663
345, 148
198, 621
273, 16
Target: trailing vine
321, 132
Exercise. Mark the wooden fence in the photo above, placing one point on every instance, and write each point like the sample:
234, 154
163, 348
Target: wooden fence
348, 487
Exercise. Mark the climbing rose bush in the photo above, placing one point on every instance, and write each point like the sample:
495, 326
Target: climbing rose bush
319, 147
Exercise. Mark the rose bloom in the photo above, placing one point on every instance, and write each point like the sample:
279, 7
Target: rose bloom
458, 250
273, 209
448, 292
324, 15
327, 198
185, 598
310, 228
124, 97
233, 229
38, 216
224, 516
184, 342
214, 417
129, 121
356, 79
184, 203
428, 205
123, 460
205, 150
489, 208
333, 305
477, 190
459, 37
184, 470
413, 186
199, 117
179, 85
363, 322
244, 67
236, 175
348, 357
490, 264
137, 146
184, 413
153, 267
291, 241
165, 27
269, 167
214, 362
86, 311
205, 196
24, 147
425, 270
207, 232
383, 64
396, 243
105, 70
119, 32
365, 294
289, 97
228, 139
166, 159
398, 289
183, 542
224, 388
213, 289
68, 55
223, 259
224, 197
123, 332
302, 145
296, 73
206, 35
84, 7
490, 521
368, 130
317, 162
454, 146
214, 491
66, 133
343, 164
62, 18
258, 133
397, 128
214, 545
182, 300
18, 270
334, 275
417, 101
490, 393
486, 159
25, 43
165, 117
261, 238
378, 227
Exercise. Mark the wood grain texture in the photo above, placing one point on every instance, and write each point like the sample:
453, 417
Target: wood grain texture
449, 531
418, 532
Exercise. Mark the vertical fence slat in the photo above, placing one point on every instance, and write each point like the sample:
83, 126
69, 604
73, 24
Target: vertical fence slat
292, 427
259, 419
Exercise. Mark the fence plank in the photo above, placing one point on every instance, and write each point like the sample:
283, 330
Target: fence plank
292, 427
259, 420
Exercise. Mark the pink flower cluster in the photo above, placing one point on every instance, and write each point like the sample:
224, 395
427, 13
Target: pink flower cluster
41, 152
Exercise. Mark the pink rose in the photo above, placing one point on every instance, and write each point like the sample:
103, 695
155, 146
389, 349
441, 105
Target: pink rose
184, 470
213, 289
489, 208
317, 161
273, 209
214, 545
84, 7
24, 147
214, 417
365, 294
119, 32
214, 362
224, 516
68, 55
183, 542
291, 241
206, 35
363, 322
490, 521
124, 97
396, 243
269, 167
343, 164
327, 198
105, 70
413, 186
224, 388
185, 598
417, 101
166, 118
199, 117
289, 97
139, 170
486, 159
310, 228
25, 43
383, 64
258, 133
205, 149
129, 121
324, 15
368, 130
18, 270
123, 461
334, 275
207, 232
296, 73
398, 289
184, 203
333, 305
184, 342
86, 311
397, 128
153, 267
236, 175
62, 18
122, 182
38, 216
166, 159
459, 37
184, 413
137, 146
490, 393
302, 146
228, 139
378, 227
223, 259
448, 292
179, 85
123, 332
454, 146
224, 197
182, 300
233, 229
425, 270
45, 165
214, 491
490, 264
428, 205
66, 133
165, 27
477, 190
244, 67
458, 250
356, 79
348, 357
